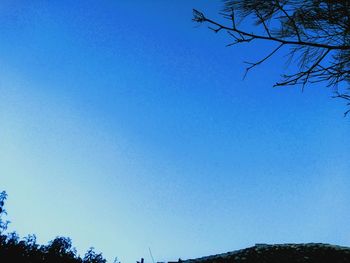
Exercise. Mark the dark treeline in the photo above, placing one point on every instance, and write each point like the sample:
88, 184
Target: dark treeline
27, 250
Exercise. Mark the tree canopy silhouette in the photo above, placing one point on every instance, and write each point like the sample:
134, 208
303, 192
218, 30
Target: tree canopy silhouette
26, 250
317, 33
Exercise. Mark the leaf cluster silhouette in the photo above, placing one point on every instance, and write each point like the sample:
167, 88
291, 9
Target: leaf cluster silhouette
27, 250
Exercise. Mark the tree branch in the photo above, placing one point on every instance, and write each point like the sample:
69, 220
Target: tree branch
200, 18
252, 65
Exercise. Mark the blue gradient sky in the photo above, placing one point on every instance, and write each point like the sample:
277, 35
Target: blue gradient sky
125, 126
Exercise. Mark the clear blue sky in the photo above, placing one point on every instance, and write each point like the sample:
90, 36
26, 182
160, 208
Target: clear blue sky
124, 125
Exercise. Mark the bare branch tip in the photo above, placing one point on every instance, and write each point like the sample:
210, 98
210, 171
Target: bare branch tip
198, 16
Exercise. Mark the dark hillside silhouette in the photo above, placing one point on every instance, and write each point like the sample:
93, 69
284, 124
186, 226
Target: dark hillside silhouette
285, 253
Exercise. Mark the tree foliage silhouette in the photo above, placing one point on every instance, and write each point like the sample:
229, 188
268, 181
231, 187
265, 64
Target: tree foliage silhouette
317, 33
26, 250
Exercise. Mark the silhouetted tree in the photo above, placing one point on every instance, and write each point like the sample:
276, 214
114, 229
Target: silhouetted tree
92, 257
60, 250
26, 250
3, 224
317, 33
